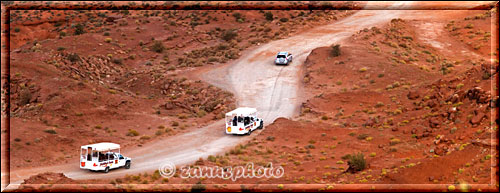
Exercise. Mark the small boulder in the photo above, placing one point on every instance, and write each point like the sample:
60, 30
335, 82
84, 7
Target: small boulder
412, 95
477, 119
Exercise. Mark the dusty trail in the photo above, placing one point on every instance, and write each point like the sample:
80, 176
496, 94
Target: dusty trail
255, 81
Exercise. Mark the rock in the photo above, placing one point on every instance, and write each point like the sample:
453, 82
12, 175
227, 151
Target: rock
432, 103
169, 105
438, 151
478, 118
434, 122
455, 98
412, 95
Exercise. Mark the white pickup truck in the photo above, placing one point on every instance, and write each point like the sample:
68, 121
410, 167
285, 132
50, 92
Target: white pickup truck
103, 157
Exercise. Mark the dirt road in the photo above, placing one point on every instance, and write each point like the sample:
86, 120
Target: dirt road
256, 82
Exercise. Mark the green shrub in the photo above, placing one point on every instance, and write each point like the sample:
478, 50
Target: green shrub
212, 158
269, 16
229, 34
79, 29
108, 40
132, 132
335, 50
117, 60
158, 47
362, 136
356, 162
73, 57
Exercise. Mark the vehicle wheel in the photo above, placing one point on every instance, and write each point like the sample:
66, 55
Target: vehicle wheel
261, 125
127, 165
106, 170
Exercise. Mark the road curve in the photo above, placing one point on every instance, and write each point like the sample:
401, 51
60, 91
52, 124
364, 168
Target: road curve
255, 81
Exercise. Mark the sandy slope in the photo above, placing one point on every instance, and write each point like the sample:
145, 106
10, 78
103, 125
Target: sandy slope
256, 82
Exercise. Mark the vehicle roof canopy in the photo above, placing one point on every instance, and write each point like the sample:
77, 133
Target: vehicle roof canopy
242, 111
282, 53
102, 146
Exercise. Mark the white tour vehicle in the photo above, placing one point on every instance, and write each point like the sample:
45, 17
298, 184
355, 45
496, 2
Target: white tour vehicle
283, 58
243, 121
103, 157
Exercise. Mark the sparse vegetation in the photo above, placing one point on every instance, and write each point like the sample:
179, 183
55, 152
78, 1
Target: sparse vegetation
335, 50
132, 133
356, 162
269, 16
229, 34
158, 47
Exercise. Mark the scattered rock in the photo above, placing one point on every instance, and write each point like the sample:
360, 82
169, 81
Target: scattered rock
477, 119
412, 95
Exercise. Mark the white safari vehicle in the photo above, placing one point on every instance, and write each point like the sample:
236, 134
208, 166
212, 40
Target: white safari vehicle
103, 157
243, 121
283, 58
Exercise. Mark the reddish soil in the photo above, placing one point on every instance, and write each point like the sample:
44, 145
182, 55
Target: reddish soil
417, 114
417, 100
110, 83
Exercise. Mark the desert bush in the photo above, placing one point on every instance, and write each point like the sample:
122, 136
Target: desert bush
237, 15
362, 136
60, 48
108, 40
158, 47
132, 132
269, 16
117, 60
335, 50
79, 29
284, 19
212, 158
229, 34
395, 141
73, 57
356, 162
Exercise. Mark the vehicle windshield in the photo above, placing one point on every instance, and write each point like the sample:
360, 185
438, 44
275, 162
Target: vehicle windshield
281, 56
